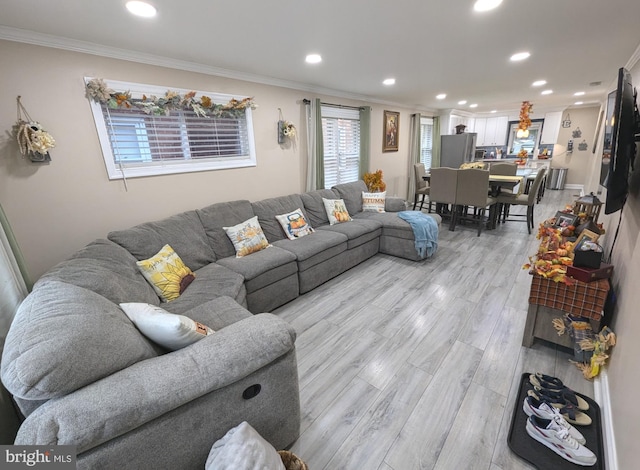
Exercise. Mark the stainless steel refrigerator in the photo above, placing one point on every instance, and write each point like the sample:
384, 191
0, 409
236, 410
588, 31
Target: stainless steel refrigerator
457, 149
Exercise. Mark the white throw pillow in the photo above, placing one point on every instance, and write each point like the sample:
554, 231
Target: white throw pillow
247, 237
373, 202
336, 211
294, 224
167, 329
242, 448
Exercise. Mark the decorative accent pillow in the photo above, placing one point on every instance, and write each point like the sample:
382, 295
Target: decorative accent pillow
294, 224
166, 272
247, 237
336, 211
243, 448
167, 329
373, 202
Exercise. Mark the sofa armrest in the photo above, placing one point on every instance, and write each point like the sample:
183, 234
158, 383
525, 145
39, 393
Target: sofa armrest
148, 389
394, 204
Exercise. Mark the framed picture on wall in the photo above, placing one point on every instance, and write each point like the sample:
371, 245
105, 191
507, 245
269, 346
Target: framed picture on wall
391, 123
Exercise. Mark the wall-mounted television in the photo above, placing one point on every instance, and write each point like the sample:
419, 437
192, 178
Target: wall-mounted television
622, 132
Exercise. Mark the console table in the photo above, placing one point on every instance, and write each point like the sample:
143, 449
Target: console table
549, 300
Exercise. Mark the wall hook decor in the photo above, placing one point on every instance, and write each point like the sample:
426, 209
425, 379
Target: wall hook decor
566, 122
32, 139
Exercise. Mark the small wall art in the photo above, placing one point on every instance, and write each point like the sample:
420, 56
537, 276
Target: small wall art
391, 131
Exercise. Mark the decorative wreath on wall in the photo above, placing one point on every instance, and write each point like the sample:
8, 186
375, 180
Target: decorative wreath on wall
99, 91
32, 139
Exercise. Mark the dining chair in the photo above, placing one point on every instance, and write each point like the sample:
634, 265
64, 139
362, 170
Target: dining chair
528, 200
503, 168
422, 188
442, 192
472, 191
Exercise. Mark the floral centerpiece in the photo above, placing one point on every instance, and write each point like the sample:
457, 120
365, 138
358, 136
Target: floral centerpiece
374, 182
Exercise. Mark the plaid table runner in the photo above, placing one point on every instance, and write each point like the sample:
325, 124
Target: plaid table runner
583, 299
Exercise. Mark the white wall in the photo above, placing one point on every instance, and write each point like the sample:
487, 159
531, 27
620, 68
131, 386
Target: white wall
57, 208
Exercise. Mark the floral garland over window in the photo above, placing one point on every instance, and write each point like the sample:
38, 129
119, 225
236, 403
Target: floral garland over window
100, 92
525, 121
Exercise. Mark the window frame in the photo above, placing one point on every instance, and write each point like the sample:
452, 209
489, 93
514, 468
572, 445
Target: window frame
117, 171
338, 114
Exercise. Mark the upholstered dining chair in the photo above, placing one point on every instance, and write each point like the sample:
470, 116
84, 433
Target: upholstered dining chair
422, 188
443, 183
503, 168
528, 200
472, 191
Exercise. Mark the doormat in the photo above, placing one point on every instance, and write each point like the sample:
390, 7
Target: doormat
542, 457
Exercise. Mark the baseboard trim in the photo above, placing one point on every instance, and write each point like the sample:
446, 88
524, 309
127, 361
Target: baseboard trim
603, 398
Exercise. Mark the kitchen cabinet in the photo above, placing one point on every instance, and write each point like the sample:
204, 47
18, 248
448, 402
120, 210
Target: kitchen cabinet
492, 131
551, 128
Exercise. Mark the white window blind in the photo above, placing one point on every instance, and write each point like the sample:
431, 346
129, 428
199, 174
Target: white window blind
341, 139
135, 143
426, 141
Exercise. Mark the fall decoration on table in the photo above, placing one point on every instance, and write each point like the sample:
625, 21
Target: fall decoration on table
99, 91
374, 182
522, 157
553, 256
525, 121
32, 139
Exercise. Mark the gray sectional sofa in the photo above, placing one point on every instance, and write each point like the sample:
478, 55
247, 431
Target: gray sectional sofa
81, 373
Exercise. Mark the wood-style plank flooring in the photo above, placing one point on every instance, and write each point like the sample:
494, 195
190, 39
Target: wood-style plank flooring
414, 365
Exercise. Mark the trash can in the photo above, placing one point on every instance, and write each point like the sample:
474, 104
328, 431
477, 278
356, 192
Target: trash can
556, 178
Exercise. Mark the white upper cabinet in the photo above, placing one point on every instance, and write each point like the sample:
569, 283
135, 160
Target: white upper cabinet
551, 127
491, 131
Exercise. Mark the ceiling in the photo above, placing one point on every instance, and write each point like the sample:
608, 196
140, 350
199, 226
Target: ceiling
428, 46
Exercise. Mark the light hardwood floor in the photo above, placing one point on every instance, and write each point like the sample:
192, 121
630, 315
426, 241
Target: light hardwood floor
406, 365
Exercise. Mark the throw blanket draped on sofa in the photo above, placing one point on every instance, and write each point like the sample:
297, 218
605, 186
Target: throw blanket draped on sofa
425, 231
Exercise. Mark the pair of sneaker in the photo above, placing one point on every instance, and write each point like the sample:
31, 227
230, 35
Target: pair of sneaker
547, 426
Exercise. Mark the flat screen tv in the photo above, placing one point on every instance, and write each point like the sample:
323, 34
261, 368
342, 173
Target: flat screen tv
625, 127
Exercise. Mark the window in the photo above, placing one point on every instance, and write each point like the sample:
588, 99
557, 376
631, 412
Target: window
135, 143
426, 141
341, 139
529, 143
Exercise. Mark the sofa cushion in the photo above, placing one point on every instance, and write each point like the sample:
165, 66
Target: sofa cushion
107, 269
218, 313
336, 211
358, 231
166, 273
315, 248
314, 207
352, 195
64, 337
184, 232
267, 209
211, 281
294, 224
169, 330
262, 268
392, 225
223, 214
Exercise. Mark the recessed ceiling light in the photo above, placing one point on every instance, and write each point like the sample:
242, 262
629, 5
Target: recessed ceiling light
578, 93
494, 110
313, 59
143, 9
441, 96
579, 102
539, 83
486, 5
546, 92
389, 81
518, 56
474, 105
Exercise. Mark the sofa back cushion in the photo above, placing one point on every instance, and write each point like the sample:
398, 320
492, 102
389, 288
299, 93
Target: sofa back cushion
352, 195
184, 232
314, 206
223, 214
267, 209
107, 269
64, 337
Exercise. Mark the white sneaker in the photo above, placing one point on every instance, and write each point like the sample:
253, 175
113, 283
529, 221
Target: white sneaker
558, 439
544, 410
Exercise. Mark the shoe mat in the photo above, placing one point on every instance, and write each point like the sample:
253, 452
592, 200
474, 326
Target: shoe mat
540, 456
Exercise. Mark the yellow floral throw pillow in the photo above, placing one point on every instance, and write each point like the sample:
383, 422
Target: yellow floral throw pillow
247, 237
166, 272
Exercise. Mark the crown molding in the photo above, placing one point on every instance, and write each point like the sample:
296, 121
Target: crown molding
635, 57
58, 42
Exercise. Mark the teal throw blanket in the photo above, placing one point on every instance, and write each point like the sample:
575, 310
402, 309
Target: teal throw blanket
425, 231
